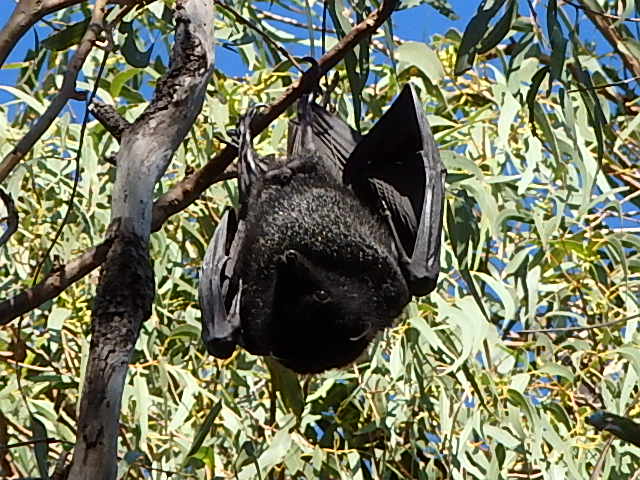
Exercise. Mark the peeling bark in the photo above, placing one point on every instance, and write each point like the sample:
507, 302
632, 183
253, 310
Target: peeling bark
125, 293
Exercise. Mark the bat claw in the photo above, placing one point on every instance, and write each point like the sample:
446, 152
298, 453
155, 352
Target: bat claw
290, 257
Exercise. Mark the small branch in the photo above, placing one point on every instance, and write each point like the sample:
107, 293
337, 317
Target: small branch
25, 14
67, 91
33, 442
54, 283
12, 217
293, 22
615, 39
605, 85
576, 329
28, 12
188, 190
110, 119
616, 18
377, 44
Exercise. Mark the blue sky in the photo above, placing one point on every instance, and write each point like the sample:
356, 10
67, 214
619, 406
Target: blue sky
418, 23
415, 24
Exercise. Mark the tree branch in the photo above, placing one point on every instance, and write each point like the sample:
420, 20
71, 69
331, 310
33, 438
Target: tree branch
125, 293
12, 217
24, 16
67, 91
615, 39
110, 119
186, 192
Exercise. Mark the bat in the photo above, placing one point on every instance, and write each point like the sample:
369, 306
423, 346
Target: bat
622, 427
327, 246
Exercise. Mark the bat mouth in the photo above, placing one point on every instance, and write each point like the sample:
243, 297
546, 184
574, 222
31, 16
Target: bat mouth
311, 350
362, 335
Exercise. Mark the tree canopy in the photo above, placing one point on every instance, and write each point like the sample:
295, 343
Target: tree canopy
533, 326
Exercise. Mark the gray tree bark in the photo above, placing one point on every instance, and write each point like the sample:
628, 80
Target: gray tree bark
125, 293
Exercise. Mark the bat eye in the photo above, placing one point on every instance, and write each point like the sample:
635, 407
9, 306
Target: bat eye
321, 295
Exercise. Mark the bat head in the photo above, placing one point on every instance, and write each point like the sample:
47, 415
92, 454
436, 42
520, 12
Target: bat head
325, 316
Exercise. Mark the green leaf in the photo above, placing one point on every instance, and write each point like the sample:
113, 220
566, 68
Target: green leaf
120, 79
501, 28
532, 95
66, 38
423, 57
40, 446
286, 382
473, 34
553, 369
132, 54
204, 428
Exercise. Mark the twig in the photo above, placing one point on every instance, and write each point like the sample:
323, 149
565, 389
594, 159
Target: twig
577, 329
377, 44
33, 442
293, 22
605, 85
67, 91
615, 39
240, 18
602, 14
12, 217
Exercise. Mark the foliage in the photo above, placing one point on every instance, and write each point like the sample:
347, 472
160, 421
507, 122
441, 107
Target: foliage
540, 233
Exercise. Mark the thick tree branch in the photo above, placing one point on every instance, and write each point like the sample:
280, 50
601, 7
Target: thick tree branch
67, 91
124, 296
110, 119
187, 191
24, 16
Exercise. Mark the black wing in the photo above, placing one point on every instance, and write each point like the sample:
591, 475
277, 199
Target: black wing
397, 167
327, 135
622, 427
218, 292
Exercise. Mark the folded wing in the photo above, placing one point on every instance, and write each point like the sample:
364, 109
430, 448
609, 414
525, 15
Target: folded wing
397, 166
394, 168
218, 292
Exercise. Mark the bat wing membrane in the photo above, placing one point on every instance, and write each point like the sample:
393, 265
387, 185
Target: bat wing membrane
219, 290
218, 293
331, 139
397, 166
